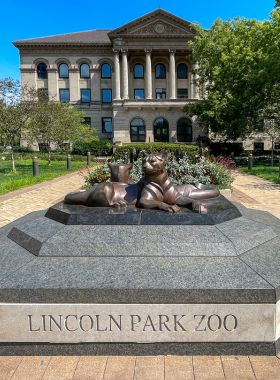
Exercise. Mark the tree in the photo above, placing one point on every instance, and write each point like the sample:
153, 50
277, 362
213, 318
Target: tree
238, 65
269, 119
55, 123
16, 107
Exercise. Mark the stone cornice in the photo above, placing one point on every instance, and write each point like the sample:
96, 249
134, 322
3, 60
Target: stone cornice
60, 52
153, 103
73, 70
156, 37
27, 70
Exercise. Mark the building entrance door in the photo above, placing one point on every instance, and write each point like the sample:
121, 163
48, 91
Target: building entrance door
161, 130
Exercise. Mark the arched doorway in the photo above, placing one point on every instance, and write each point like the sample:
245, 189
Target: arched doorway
161, 130
184, 130
137, 130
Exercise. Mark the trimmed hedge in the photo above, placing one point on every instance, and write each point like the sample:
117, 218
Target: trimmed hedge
96, 148
43, 156
132, 151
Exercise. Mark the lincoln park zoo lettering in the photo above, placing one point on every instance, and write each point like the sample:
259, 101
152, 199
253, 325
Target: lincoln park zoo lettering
132, 323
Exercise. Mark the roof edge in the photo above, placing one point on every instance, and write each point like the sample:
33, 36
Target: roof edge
21, 44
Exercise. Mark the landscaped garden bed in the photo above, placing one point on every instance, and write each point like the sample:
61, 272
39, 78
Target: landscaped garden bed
184, 165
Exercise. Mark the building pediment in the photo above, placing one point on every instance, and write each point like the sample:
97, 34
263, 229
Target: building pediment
156, 24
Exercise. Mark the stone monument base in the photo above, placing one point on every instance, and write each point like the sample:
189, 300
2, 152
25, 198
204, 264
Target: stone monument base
79, 281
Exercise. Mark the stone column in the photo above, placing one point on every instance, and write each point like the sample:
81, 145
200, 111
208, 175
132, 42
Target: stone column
53, 84
74, 85
117, 74
148, 76
95, 84
172, 76
125, 74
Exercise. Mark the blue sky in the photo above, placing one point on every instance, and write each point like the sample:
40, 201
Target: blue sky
30, 19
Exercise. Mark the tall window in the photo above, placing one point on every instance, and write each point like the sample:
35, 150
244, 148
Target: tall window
182, 93
107, 125
137, 130
84, 70
63, 71
160, 93
184, 130
259, 145
85, 95
138, 93
138, 71
106, 71
161, 130
106, 96
42, 71
182, 71
43, 94
64, 95
43, 146
87, 121
160, 71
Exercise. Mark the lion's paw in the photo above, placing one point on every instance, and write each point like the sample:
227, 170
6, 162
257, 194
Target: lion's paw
173, 208
119, 204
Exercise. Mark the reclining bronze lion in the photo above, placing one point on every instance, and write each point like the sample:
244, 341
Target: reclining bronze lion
154, 190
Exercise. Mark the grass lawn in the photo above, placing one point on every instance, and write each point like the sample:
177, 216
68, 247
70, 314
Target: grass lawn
262, 169
23, 177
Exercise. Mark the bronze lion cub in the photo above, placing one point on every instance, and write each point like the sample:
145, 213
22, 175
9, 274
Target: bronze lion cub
154, 190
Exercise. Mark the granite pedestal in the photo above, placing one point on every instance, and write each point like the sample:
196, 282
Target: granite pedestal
103, 281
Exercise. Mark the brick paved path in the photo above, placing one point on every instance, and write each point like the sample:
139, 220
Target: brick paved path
140, 368
253, 192
37, 197
256, 193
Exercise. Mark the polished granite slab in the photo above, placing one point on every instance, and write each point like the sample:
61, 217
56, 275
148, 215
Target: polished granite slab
142, 263
45, 237
216, 210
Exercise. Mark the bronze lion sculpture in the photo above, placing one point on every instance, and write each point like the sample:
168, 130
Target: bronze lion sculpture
154, 190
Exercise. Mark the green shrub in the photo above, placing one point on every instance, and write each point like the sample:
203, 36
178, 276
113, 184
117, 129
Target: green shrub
133, 151
23, 149
42, 156
98, 175
96, 148
181, 171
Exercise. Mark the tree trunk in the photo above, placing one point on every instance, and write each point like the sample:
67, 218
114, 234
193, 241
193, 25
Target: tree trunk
13, 161
272, 153
49, 156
